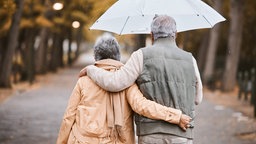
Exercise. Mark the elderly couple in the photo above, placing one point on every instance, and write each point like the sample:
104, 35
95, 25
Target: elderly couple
104, 103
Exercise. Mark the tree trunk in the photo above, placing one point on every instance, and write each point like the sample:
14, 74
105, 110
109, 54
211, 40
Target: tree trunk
41, 63
79, 36
213, 45
185, 41
2, 50
234, 44
60, 52
202, 52
54, 53
69, 48
11, 45
140, 41
29, 56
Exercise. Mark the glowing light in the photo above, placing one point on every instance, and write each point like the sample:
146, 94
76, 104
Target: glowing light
57, 6
75, 24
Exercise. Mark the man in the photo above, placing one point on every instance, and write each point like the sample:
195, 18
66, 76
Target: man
165, 74
96, 116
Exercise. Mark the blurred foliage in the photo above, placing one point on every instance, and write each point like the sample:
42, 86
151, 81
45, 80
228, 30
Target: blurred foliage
99, 7
31, 13
26, 23
38, 14
42, 21
7, 8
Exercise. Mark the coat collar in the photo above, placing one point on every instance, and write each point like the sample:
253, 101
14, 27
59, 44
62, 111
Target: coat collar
165, 41
108, 64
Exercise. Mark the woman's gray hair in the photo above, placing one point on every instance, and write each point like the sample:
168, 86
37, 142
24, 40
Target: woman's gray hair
163, 26
106, 47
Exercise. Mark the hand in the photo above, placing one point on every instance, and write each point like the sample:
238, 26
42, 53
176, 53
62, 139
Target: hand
184, 122
83, 72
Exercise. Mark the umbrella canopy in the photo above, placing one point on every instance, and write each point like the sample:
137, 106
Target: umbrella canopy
135, 16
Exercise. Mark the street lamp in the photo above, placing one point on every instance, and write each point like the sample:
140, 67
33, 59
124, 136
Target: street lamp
75, 24
57, 6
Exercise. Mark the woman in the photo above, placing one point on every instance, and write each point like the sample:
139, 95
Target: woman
95, 116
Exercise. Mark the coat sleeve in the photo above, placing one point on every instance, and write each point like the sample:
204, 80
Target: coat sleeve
149, 108
199, 86
69, 115
120, 79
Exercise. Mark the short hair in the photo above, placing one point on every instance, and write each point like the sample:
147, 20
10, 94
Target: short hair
106, 47
163, 26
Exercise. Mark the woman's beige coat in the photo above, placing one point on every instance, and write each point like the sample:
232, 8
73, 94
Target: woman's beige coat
86, 119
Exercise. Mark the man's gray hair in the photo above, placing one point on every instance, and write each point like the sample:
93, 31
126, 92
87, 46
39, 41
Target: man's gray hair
106, 47
163, 26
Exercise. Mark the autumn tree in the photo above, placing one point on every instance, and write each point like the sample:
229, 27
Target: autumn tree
44, 36
7, 8
12, 40
234, 44
212, 47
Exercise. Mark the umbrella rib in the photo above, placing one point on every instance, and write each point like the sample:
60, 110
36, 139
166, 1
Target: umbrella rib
207, 21
124, 25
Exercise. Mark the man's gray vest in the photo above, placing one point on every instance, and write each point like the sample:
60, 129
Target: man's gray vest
168, 78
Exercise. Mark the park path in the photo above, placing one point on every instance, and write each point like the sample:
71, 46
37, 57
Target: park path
34, 116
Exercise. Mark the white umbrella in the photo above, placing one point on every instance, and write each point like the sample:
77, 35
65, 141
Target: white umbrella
135, 16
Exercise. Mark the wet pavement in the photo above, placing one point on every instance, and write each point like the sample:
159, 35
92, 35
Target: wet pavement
34, 116
216, 124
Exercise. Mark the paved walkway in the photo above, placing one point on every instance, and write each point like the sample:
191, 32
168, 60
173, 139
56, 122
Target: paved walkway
34, 116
